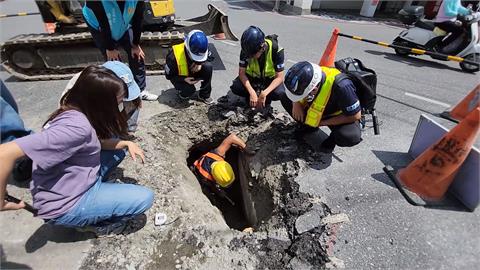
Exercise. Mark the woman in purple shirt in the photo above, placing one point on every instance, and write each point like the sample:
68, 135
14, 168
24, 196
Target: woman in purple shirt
73, 155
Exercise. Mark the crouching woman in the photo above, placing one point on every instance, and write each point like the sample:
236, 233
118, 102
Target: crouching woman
73, 155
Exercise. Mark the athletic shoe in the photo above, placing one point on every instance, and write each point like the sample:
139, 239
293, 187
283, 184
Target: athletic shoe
145, 95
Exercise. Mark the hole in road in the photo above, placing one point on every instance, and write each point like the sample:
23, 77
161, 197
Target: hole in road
243, 212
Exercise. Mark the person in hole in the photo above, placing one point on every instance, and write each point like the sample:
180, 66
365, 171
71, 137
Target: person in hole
215, 173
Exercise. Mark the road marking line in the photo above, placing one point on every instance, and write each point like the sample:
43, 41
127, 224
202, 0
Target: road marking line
428, 100
229, 43
291, 61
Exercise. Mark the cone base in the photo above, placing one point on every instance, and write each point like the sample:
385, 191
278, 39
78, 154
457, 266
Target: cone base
414, 199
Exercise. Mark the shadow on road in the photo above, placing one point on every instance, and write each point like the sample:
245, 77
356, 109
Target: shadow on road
57, 234
4, 264
170, 98
413, 61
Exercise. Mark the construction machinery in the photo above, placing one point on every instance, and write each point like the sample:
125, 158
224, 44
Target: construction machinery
69, 47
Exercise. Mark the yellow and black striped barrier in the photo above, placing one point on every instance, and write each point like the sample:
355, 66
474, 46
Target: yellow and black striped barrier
436, 55
19, 14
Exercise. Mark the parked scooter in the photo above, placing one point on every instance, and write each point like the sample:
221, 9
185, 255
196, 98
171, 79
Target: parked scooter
423, 34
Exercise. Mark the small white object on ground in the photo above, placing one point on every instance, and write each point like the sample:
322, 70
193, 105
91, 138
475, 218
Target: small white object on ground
160, 219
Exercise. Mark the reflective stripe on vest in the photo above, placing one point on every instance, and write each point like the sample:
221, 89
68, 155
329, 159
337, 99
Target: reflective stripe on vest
198, 164
253, 67
119, 23
181, 58
315, 111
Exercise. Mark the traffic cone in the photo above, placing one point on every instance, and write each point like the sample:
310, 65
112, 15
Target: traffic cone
431, 173
328, 57
219, 36
468, 104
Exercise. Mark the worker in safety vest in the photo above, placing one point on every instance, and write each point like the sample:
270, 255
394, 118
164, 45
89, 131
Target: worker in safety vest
260, 73
119, 23
214, 171
187, 65
315, 99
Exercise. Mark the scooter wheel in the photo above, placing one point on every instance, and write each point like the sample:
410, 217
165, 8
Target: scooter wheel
474, 57
401, 52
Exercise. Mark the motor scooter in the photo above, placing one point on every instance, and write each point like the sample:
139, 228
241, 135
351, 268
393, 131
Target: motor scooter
423, 34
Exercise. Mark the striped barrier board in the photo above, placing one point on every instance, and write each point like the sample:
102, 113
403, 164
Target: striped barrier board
413, 50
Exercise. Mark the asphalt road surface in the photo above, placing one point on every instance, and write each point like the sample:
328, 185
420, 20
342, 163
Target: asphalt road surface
384, 231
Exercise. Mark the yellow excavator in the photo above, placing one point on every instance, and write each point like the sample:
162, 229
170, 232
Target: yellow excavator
68, 47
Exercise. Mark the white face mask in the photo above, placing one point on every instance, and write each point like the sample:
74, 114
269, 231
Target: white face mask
120, 107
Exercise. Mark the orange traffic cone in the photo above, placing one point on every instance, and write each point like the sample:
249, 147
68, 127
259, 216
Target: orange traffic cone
468, 104
219, 36
328, 57
431, 173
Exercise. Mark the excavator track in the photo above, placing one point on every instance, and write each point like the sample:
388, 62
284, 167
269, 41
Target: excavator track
60, 56
54, 57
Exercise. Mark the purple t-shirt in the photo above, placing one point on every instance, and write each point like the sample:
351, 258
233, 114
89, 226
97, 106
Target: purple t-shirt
66, 160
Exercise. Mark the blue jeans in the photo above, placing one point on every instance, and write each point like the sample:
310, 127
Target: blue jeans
107, 201
11, 125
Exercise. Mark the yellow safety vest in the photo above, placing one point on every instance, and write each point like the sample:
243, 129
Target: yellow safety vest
253, 68
315, 111
181, 58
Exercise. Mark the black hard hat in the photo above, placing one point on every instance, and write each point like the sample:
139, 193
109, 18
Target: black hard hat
252, 40
301, 79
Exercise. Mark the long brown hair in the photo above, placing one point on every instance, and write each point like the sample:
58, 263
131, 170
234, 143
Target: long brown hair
95, 94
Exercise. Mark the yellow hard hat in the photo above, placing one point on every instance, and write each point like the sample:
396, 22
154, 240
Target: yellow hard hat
222, 173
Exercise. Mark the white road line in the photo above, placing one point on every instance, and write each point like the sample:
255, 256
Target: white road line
291, 61
428, 100
229, 43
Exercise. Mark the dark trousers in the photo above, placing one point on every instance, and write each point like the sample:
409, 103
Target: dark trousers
452, 28
239, 89
137, 66
345, 135
187, 90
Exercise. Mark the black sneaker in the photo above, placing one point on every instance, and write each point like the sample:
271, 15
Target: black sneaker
207, 101
105, 228
182, 97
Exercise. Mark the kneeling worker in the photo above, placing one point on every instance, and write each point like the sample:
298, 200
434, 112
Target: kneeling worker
187, 65
216, 174
314, 98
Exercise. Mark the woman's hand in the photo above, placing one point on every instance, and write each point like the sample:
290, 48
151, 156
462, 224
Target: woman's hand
298, 112
135, 150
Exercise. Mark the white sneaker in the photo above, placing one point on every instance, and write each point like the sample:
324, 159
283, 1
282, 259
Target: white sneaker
145, 95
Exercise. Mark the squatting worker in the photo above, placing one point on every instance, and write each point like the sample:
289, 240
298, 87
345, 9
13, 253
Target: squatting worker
212, 168
187, 65
260, 73
119, 23
315, 99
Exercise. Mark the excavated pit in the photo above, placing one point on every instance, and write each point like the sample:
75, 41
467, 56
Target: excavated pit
244, 212
204, 233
